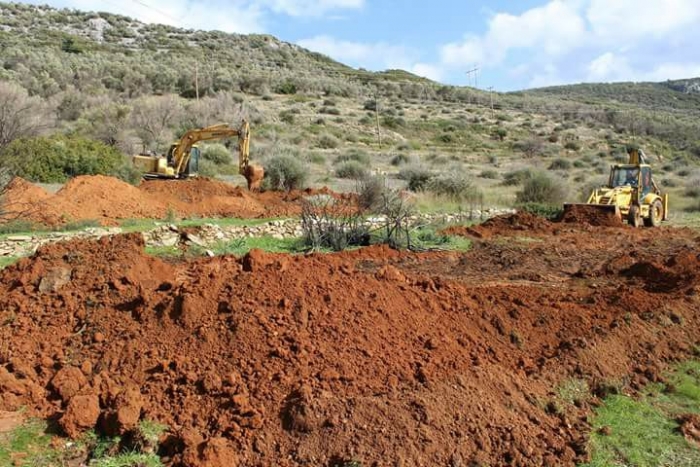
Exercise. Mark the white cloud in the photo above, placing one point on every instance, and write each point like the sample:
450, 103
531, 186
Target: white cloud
311, 7
554, 28
373, 56
426, 70
241, 16
608, 66
633, 19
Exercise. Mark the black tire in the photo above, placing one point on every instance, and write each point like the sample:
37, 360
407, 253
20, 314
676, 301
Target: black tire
656, 214
634, 217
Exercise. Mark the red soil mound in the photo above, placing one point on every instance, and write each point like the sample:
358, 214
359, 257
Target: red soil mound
100, 198
109, 200
509, 224
21, 198
585, 215
253, 362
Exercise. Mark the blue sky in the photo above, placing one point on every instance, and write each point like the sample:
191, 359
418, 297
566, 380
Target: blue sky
515, 44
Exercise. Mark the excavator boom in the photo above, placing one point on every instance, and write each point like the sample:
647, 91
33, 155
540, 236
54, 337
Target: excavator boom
181, 152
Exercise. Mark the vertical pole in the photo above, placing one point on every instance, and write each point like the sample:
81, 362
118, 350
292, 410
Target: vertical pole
376, 114
196, 80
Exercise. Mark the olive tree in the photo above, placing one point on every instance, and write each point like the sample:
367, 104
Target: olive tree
20, 114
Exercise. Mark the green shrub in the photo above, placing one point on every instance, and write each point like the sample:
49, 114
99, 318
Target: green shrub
454, 185
317, 158
531, 147
417, 177
560, 164
56, 158
327, 141
500, 133
128, 173
400, 159
287, 117
572, 146
370, 192
579, 164
284, 173
489, 174
208, 168
693, 207
517, 177
548, 211
352, 170
217, 153
354, 154
329, 111
542, 189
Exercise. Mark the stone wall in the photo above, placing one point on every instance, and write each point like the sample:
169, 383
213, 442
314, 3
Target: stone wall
209, 234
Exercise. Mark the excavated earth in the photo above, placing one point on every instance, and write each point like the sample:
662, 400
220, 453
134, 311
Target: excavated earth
109, 200
376, 356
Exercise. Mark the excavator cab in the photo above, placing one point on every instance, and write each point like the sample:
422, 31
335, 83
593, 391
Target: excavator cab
192, 167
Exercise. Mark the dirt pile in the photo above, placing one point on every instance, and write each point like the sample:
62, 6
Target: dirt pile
108, 200
251, 362
509, 224
586, 215
21, 198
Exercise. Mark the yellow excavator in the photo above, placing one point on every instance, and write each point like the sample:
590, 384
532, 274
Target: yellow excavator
631, 194
182, 159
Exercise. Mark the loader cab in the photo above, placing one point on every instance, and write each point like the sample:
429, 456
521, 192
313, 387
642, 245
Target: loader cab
635, 176
621, 175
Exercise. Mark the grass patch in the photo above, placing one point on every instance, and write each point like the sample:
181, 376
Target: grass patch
28, 445
644, 432
132, 459
237, 247
7, 261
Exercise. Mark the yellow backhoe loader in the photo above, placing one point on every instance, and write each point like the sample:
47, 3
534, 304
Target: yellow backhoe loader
182, 159
631, 194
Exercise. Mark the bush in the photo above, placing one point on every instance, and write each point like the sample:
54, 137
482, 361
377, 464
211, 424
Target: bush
400, 159
489, 174
55, 159
329, 111
356, 155
128, 173
330, 223
208, 168
416, 176
284, 173
454, 185
572, 146
560, 164
549, 211
517, 177
217, 153
352, 170
327, 141
542, 189
580, 164
370, 191
531, 148
500, 134
287, 117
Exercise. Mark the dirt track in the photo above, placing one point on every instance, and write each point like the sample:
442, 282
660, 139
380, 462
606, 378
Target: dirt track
108, 200
383, 357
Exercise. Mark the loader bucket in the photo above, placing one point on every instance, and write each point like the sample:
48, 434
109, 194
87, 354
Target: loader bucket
254, 175
592, 214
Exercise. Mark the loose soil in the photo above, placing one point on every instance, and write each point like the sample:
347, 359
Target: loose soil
373, 355
109, 200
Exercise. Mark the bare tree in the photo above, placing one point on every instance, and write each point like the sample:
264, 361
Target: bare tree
20, 114
153, 118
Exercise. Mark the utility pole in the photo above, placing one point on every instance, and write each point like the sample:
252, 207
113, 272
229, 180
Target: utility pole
196, 80
471, 72
491, 99
376, 115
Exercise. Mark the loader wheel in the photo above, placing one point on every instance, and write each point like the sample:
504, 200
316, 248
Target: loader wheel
634, 217
656, 214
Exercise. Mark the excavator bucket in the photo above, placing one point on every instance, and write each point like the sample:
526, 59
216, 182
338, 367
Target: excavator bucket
254, 175
592, 214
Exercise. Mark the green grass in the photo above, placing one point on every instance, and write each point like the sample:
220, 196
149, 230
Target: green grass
644, 432
237, 247
132, 459
29, 445
140, 225
7, 261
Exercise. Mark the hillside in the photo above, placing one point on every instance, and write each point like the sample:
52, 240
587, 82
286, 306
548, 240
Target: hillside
133, 86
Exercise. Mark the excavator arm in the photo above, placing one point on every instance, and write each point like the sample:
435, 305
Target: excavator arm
182, 150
